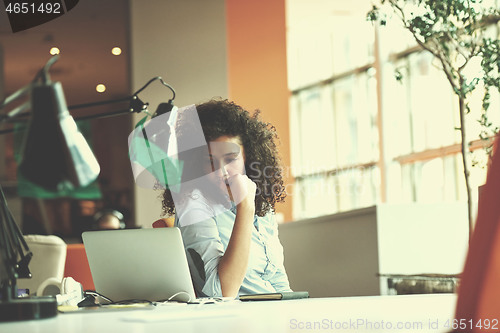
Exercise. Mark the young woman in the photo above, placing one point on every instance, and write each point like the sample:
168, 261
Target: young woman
225, 208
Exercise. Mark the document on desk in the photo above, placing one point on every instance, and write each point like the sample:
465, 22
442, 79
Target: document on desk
275, 296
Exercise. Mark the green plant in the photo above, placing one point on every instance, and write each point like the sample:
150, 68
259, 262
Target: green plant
456, 33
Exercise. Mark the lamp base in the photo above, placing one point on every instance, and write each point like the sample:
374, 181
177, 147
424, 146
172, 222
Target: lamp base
28, 308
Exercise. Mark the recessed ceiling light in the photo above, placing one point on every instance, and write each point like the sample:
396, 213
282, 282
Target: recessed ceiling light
116, 51
100, 88
54, 51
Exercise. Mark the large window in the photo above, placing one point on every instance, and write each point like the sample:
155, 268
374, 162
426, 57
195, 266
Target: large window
359, 135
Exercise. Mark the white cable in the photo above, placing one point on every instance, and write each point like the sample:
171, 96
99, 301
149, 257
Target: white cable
180, 292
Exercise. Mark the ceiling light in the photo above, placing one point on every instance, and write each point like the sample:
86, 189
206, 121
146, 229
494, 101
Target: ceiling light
100, 88
116, 51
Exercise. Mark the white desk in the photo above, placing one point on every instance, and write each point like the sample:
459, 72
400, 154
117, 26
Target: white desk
418, 313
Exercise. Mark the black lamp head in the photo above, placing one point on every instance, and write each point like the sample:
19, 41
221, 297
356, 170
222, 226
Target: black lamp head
56, 155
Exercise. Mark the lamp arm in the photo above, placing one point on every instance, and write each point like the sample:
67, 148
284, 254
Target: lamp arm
136, 106
89, 117
103, 115
16, 253
9, 99
14, 231
92, 104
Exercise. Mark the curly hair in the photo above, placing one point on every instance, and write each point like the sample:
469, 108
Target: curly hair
262, 163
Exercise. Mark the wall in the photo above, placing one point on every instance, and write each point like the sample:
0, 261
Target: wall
341, 254
257, 71
335, 255
185, 43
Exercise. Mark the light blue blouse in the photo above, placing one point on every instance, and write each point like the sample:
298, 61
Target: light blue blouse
206, 229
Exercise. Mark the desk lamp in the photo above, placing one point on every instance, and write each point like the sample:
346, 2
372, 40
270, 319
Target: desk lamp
56, 156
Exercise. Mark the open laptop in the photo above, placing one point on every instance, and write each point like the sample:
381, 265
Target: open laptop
139, 264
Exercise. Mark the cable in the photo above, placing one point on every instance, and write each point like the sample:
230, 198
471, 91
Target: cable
132, 301
45, 70
162, 82
180, 292
199, 301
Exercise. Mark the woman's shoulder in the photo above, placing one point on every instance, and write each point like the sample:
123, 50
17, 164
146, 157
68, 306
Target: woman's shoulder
194, 207
193, 199
268, 219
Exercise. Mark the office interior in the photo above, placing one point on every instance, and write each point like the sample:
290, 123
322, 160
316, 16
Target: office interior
372, 164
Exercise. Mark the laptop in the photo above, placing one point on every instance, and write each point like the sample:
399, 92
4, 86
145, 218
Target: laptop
139, 264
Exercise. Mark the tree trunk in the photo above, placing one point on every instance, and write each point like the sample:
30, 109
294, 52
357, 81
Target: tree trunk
465, 155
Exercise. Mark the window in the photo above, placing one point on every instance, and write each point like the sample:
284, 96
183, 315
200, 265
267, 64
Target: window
359, 136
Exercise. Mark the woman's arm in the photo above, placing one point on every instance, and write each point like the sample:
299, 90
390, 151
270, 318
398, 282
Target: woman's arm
233, 265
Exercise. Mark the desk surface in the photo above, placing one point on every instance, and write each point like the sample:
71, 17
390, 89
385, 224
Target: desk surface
418, 313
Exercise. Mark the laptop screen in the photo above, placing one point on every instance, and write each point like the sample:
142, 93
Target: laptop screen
139, 264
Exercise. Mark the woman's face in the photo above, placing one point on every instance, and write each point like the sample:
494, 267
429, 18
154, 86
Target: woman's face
226, 158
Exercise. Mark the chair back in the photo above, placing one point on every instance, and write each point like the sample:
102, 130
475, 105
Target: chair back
77, 266
49, 256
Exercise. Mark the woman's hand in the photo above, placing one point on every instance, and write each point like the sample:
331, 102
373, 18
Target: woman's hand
243, 191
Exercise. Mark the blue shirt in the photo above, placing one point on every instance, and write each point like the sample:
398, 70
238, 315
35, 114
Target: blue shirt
206, 229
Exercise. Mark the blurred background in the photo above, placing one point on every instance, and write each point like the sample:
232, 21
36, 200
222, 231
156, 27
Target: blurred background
351, 135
